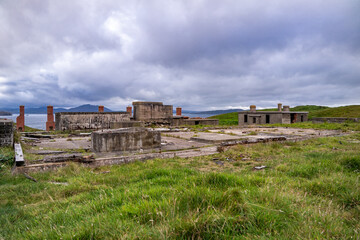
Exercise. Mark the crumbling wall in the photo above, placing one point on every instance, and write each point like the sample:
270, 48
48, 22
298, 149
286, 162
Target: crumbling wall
125, 139
88, 120
6, 133
152, 111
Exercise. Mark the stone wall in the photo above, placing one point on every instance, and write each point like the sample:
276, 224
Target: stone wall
88, 120
334, 119
6, 133
126, 139
152, 111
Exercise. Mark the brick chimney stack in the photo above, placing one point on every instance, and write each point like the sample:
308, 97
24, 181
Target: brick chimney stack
101, 108
286, 108
20, 120
279, 107
129, 110
50, 124
253, 108
178, 111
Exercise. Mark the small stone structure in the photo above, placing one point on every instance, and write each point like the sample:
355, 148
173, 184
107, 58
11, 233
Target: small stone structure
101, 108
157, 113
334, 119
88, 120
20, 120
50, 124
125, 139
6, 132
153, 112
284, 116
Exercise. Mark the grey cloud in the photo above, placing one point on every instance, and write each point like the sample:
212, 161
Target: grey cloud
195, 54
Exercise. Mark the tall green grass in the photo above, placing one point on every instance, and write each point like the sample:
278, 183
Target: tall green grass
309, 190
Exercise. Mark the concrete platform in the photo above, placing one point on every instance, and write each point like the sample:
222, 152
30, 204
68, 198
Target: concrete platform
214, 138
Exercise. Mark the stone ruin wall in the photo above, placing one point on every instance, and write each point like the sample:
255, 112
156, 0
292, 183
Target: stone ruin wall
88, 120
6, 133
152, 111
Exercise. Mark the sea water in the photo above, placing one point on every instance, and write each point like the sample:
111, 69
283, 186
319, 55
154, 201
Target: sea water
31, 120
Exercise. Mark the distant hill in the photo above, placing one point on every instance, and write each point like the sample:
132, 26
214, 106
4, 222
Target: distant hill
83, 108
352, 111
3, 113
227, 118
43, 110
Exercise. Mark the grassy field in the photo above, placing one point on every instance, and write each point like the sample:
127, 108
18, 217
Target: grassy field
314, 111
227, 118
308, 190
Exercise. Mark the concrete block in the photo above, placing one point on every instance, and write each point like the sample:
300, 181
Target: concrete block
125, 139
6, 133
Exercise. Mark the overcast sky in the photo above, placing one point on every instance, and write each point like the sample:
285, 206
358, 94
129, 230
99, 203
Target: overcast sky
198, 54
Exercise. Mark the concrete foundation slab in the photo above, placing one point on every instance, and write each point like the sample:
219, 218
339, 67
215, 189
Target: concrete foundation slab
125, 139
214, 138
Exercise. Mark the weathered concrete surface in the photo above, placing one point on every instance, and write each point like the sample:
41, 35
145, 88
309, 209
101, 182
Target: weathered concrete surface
334, 119
125, 139
172, 143
126, 124
118, 160
65, 143
88, 120
6, 132
280, 131
213, 138
19, 156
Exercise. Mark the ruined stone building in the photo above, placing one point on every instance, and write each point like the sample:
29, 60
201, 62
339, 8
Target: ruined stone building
157, 113
153, 112
282, 115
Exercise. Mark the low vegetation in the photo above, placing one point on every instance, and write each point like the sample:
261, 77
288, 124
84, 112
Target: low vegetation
227, 118
308, 190
346, 111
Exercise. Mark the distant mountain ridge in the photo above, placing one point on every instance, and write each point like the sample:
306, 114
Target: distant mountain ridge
94, 108
43, 110
3, 113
